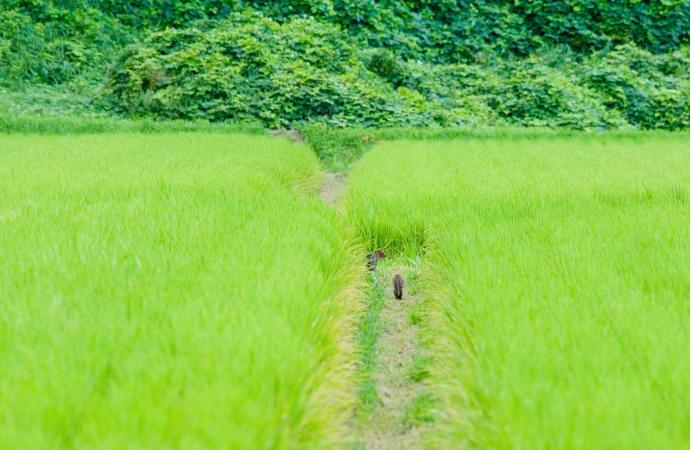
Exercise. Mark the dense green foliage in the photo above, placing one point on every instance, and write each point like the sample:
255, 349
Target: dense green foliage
556, 283
45, 42
570, 63
248, 66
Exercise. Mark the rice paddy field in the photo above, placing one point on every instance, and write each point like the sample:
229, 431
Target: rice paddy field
557, 284
191, 290
171, 291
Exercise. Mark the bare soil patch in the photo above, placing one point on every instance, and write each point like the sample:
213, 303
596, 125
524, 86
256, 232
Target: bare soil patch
293, 135
332, 187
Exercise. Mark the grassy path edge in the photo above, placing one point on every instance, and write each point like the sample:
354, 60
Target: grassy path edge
394, 403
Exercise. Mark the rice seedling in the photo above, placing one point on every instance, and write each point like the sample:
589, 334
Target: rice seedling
171, 291
556, 282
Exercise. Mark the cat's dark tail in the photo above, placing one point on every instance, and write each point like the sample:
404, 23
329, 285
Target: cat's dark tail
398, 286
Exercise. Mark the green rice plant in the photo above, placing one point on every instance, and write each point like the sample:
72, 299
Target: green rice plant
370, 329
339, 148
172, 291
74, 124
556, 283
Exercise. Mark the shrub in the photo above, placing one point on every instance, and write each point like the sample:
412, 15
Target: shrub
53, 45
537, 95
527, 93
651, 91
251, 67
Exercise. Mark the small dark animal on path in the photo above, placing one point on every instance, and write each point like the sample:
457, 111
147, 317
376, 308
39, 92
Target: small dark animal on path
373, 257
398, 286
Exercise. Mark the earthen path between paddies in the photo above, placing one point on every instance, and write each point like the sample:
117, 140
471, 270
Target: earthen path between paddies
393, 424
388, 425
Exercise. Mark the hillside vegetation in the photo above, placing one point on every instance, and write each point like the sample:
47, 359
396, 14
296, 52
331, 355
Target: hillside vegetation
586, 64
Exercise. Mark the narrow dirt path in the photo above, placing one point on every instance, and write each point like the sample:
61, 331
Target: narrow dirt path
332, 187
395, 421
399, 415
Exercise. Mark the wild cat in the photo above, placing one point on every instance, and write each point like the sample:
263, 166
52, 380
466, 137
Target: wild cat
398, 286
373, 257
